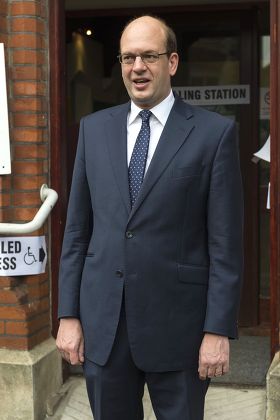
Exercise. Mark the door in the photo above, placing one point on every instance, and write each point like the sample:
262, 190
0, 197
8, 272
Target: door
218, 69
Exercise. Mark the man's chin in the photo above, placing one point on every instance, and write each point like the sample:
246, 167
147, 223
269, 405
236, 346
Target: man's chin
142, 100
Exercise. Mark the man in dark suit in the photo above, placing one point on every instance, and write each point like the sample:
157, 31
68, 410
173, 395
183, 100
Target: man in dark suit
152, 256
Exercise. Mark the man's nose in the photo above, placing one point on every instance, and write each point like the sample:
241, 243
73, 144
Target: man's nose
139, 64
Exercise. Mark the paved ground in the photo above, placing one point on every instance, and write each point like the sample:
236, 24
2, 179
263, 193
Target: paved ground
222, 403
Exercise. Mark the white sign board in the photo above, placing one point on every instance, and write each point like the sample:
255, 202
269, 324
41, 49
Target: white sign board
214, 95
5, 156
21, 256
263, 153
268, 197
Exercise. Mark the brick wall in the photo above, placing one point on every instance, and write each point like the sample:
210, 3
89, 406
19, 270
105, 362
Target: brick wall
24, 300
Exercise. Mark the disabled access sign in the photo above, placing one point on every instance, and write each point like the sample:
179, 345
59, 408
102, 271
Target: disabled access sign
21, 256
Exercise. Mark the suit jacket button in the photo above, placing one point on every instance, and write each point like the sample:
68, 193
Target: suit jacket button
129, 234
119, 273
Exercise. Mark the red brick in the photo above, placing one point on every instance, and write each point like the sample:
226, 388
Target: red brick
25, 8
29, 88
36, 280
6, 215
4, 39
44, 305
39, 291
29, 182
39, 337
33, 280
5, 199
26, 311
10, 215
17, 328
31, 198
26, 41
3, 7
43, 13
3, 24
2, 327
7, 281
5, 182
17, 295
24, 214
28, 327
26, 73
31, 151
15, 343
46, 166
26, 104
29, 120
28, 25
27, 135
29, 57
14, 312
27, 168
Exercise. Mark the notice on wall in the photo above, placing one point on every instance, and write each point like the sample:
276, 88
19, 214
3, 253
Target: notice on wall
263, 153
214, 95
5, 156
21, 256
264, 103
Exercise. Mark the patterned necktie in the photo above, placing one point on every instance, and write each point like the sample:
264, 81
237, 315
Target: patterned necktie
138, 159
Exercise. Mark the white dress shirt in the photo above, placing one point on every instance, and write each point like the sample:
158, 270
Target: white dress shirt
158, 119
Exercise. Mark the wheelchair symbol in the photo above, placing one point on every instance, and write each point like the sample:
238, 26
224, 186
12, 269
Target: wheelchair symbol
29, 257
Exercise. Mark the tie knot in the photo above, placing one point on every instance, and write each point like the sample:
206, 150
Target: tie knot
145, 115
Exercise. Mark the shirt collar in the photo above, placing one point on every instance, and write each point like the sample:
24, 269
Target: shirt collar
160, 111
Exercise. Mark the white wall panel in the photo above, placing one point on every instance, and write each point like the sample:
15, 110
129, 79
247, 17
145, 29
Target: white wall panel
5, 157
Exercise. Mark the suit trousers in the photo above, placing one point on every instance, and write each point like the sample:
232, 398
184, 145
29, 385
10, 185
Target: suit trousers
115, 390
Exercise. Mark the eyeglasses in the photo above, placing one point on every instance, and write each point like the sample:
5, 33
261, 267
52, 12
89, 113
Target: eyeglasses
147, 58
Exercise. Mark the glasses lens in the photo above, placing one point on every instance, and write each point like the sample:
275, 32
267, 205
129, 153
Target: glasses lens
146, 58
149, 58
127, 59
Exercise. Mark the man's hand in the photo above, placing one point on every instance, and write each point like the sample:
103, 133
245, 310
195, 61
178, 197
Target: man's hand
213, 356
70, 341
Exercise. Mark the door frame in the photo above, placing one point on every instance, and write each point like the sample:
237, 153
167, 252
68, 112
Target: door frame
58, 143
275, 174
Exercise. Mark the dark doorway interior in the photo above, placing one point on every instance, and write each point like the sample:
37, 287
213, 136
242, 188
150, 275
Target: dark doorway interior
218, 50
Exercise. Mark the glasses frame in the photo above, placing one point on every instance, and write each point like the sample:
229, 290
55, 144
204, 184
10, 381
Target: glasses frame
141, 56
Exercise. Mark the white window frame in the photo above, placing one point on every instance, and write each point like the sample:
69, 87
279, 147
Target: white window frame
5, 153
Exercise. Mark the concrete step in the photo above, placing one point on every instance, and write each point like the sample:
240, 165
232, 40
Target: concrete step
222, 403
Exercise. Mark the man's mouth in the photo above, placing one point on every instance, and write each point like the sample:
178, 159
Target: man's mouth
140, 82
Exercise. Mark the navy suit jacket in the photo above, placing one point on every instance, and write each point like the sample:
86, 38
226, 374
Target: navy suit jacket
176, 256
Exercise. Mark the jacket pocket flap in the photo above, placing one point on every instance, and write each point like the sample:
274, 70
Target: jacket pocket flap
193, 274
194, 170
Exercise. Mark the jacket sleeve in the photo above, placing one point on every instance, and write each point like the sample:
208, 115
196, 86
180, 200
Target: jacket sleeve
77, 234
225, 237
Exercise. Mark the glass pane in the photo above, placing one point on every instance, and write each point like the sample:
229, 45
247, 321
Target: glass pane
264, 127
211, 61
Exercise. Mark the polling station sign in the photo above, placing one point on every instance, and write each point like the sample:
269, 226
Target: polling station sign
22, 256
214, 95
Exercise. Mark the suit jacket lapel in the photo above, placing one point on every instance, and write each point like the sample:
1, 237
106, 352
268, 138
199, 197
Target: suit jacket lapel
116, 128
178, 127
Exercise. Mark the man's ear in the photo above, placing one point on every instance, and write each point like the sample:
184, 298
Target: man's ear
173, 63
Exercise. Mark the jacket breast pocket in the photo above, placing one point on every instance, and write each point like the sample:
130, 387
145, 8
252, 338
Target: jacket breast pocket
187, 171
193, 274
90, 255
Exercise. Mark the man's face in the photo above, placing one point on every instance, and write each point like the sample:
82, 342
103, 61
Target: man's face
147, 84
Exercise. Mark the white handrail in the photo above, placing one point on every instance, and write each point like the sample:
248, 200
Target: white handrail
49, 198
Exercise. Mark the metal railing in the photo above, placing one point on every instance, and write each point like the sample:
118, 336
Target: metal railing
49, 198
